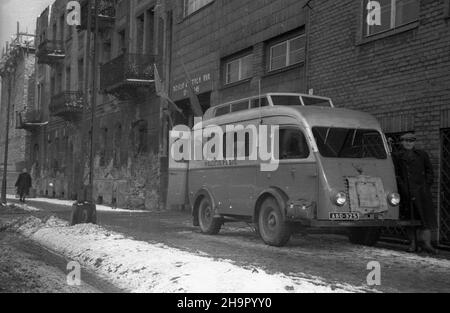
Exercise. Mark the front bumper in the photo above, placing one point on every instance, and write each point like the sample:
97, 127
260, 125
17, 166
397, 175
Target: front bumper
360, 223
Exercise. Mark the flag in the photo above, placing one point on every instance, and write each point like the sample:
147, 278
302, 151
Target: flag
161, 92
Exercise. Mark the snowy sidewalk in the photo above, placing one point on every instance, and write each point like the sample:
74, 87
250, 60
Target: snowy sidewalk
143, 267
69, 203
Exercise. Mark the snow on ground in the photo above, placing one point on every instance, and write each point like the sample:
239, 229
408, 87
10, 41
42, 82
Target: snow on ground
100, 208
23, 272
143, 267
24, 206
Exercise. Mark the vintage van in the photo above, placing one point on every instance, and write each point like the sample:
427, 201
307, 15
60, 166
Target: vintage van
334, 170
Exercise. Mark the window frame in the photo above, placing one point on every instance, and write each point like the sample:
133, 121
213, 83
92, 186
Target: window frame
240, 60
305, 138
186, 13
393, 20
287, 52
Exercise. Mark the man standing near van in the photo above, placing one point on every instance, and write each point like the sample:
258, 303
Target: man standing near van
415, 177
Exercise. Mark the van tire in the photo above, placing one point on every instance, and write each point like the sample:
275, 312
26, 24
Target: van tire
209, 224
366, 236
272, 227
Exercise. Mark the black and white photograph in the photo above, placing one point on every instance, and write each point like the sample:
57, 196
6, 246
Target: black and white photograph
224, 152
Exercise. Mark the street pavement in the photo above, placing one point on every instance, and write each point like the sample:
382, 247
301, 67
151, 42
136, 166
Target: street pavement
328, 256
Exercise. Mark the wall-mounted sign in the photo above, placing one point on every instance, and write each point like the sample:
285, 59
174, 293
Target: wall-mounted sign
201, 82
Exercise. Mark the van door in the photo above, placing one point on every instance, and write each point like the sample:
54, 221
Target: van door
178, 184
242, 175
296, 174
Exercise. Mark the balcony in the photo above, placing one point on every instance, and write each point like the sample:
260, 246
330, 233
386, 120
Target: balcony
126, 74
50, 52
29, 120
67, 105
106, 14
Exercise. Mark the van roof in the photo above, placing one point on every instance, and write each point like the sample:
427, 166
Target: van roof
212, 111
311, 115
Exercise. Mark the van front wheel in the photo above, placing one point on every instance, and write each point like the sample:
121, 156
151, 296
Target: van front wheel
209, 224
272, 228
366, 236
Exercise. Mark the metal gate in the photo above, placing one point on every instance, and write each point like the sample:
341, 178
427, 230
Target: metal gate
444, 210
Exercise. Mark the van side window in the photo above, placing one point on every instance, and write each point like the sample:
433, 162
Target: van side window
293, 144
239, 141
256, 102
240, 106
222, 111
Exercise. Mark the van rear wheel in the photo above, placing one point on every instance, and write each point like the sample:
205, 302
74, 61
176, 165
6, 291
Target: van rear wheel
366, 236
272, 228
209, 224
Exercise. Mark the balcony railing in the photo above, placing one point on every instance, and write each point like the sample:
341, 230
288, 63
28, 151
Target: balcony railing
29, 120
124, 74
106, 14
67, 105
50, 52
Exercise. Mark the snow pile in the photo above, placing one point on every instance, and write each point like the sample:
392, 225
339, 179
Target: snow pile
143, 267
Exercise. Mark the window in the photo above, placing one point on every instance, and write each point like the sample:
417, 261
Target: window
117, 145
286, 100
190, 6
293, 145
68, 78
349, 143
239, 69
222, 110
316, 102
394, 13
80, 74
103, 146
140, 34
239, 106
121, 42
287, 53
139, 137
150, 25
259, 102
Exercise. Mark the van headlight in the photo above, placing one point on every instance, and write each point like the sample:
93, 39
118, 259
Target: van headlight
340, 198
394, 199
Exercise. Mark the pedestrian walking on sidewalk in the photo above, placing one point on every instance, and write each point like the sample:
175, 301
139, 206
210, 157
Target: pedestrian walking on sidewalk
23, 185
414, 177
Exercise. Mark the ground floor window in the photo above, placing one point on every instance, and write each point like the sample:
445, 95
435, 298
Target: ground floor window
388, 14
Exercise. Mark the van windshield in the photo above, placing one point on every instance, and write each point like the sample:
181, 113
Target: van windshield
349, 143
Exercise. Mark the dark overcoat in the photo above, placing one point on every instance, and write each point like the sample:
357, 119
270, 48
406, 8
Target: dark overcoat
414, 178
23, 184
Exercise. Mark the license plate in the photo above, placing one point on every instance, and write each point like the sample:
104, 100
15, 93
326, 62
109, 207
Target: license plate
344, 216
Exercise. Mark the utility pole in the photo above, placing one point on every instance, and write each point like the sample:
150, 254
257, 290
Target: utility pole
85, 124
8, 112
84, 211
93, 101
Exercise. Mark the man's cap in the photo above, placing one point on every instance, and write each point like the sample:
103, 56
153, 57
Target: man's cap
408, 136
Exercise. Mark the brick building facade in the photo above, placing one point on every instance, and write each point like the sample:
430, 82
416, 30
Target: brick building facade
399, 71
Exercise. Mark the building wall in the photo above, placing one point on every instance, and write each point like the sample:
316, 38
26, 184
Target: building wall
21, 99
126, 170
204, 39
403, 77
